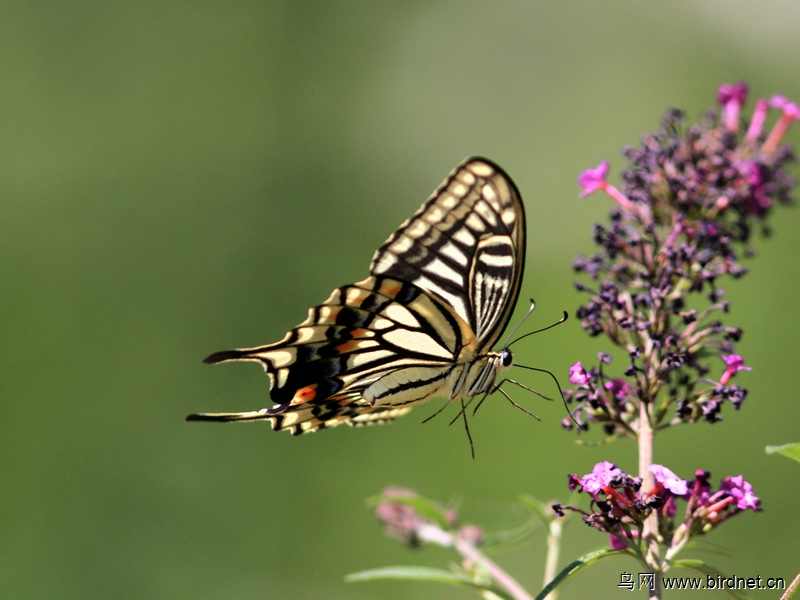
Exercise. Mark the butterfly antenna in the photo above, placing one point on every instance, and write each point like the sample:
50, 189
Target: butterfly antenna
522, 337
521, 321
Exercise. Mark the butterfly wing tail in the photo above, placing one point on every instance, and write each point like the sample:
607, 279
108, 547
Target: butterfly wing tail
227, 355
253, 415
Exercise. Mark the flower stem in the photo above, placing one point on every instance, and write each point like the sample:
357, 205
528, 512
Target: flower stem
792, 589
650, 530
555, 528
503, 579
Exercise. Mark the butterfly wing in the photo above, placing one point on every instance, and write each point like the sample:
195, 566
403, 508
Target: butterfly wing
466, 245
443, 288
366, 355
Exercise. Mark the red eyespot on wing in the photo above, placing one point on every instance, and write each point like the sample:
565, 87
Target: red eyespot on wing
305, 394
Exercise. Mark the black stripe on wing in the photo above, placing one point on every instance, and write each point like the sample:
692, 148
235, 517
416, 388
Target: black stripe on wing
439, 248
363, 332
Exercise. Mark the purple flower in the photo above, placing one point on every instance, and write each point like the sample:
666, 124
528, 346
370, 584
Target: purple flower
669, 480
701, 489
786, 106
757, 122
735, 363
592, 180
619, 388
617, 542
691, 198
601, 476
790, 112
578, 375
741, 492
400, 520
732, 96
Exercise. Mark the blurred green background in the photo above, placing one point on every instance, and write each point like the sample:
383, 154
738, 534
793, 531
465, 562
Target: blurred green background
180, 178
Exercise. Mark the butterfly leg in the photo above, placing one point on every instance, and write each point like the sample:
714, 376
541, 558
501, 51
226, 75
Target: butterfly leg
510, 399
525, 387
466, 427
445, 405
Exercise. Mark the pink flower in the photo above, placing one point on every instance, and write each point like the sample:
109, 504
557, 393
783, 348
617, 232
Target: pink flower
617, 542
741, 492
619, 388
592, 180
669, 480
785, 105
791, 112
601, 476
732, 96
578, 375
757, 122
735, 363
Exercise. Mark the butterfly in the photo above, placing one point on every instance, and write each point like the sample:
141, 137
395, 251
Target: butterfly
440, 293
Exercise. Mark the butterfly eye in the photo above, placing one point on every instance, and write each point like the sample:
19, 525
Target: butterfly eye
506, 357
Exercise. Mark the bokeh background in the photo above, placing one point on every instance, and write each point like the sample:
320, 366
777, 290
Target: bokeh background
180, 178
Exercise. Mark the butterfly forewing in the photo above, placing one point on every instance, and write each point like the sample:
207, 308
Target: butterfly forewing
442, 289
466, 244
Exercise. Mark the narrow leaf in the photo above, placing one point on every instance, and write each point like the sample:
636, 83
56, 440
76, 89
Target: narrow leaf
576, 565
701, 567
412, 573
788, 450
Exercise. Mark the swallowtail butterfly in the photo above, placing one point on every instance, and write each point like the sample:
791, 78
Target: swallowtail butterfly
440, 292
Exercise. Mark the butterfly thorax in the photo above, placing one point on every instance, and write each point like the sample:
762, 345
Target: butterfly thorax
479, 375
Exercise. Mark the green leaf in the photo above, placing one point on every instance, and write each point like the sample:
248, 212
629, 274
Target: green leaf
578, 564
425, 574
506, 537
537, 507
788, 450
522, 532
701, 567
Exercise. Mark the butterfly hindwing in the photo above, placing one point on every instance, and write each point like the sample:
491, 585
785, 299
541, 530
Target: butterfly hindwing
442, 289
349, 361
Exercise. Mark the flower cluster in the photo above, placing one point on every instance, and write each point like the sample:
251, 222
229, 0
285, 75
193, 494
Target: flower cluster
620, 505
414, 520
684, 214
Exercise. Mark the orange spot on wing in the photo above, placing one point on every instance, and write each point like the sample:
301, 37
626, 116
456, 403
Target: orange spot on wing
390, 289
358, 332
305, 394
347, 346
330, 314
